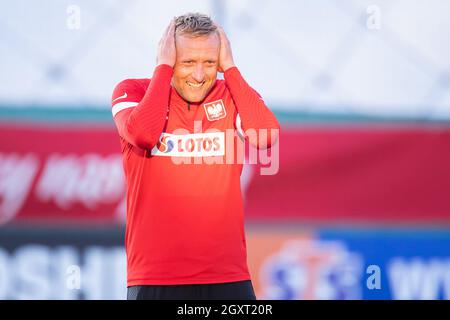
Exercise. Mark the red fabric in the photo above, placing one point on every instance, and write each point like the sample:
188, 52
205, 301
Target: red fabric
142, 125
252, 109
185, 222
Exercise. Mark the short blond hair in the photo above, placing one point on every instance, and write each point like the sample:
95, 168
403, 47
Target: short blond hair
194, 25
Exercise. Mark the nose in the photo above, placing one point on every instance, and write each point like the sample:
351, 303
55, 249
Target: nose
199, 73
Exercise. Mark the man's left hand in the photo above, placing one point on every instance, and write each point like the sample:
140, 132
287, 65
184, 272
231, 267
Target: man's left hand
226, 56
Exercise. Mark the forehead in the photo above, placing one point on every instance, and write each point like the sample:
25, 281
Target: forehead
198, 47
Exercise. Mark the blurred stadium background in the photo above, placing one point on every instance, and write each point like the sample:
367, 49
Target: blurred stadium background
360, 208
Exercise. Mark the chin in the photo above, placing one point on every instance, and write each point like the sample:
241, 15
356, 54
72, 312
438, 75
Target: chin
195, 99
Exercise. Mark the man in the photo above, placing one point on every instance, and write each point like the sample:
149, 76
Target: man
185, 221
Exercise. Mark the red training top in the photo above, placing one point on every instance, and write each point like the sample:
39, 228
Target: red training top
185, 217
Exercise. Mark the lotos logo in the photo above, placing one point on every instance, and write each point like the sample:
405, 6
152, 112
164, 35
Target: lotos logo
165, 145
190, 145
312, 269
215, 110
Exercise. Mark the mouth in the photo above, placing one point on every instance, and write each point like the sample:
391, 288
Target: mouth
195, 84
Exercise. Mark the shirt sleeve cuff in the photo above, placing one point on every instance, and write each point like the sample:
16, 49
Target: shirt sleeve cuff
164, 69
232, 73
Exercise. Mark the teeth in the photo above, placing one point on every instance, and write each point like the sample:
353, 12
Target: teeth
194, 85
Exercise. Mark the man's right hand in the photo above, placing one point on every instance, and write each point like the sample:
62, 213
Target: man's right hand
166, 50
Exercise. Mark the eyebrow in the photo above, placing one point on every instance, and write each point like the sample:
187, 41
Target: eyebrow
193, 60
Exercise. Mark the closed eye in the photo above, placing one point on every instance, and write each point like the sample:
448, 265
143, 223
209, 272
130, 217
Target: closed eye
210, 63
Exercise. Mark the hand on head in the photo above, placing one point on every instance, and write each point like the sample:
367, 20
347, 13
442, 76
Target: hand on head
166, 48
226, 56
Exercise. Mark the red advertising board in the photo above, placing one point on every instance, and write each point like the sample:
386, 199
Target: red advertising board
357, 174
376, 173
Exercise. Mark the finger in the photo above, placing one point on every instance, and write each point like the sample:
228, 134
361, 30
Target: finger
163, 37
219, 28
171, 31
222, 35
167, 30
172, 24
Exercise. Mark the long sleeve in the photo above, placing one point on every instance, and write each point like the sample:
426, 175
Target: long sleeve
140, 114
255, 115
